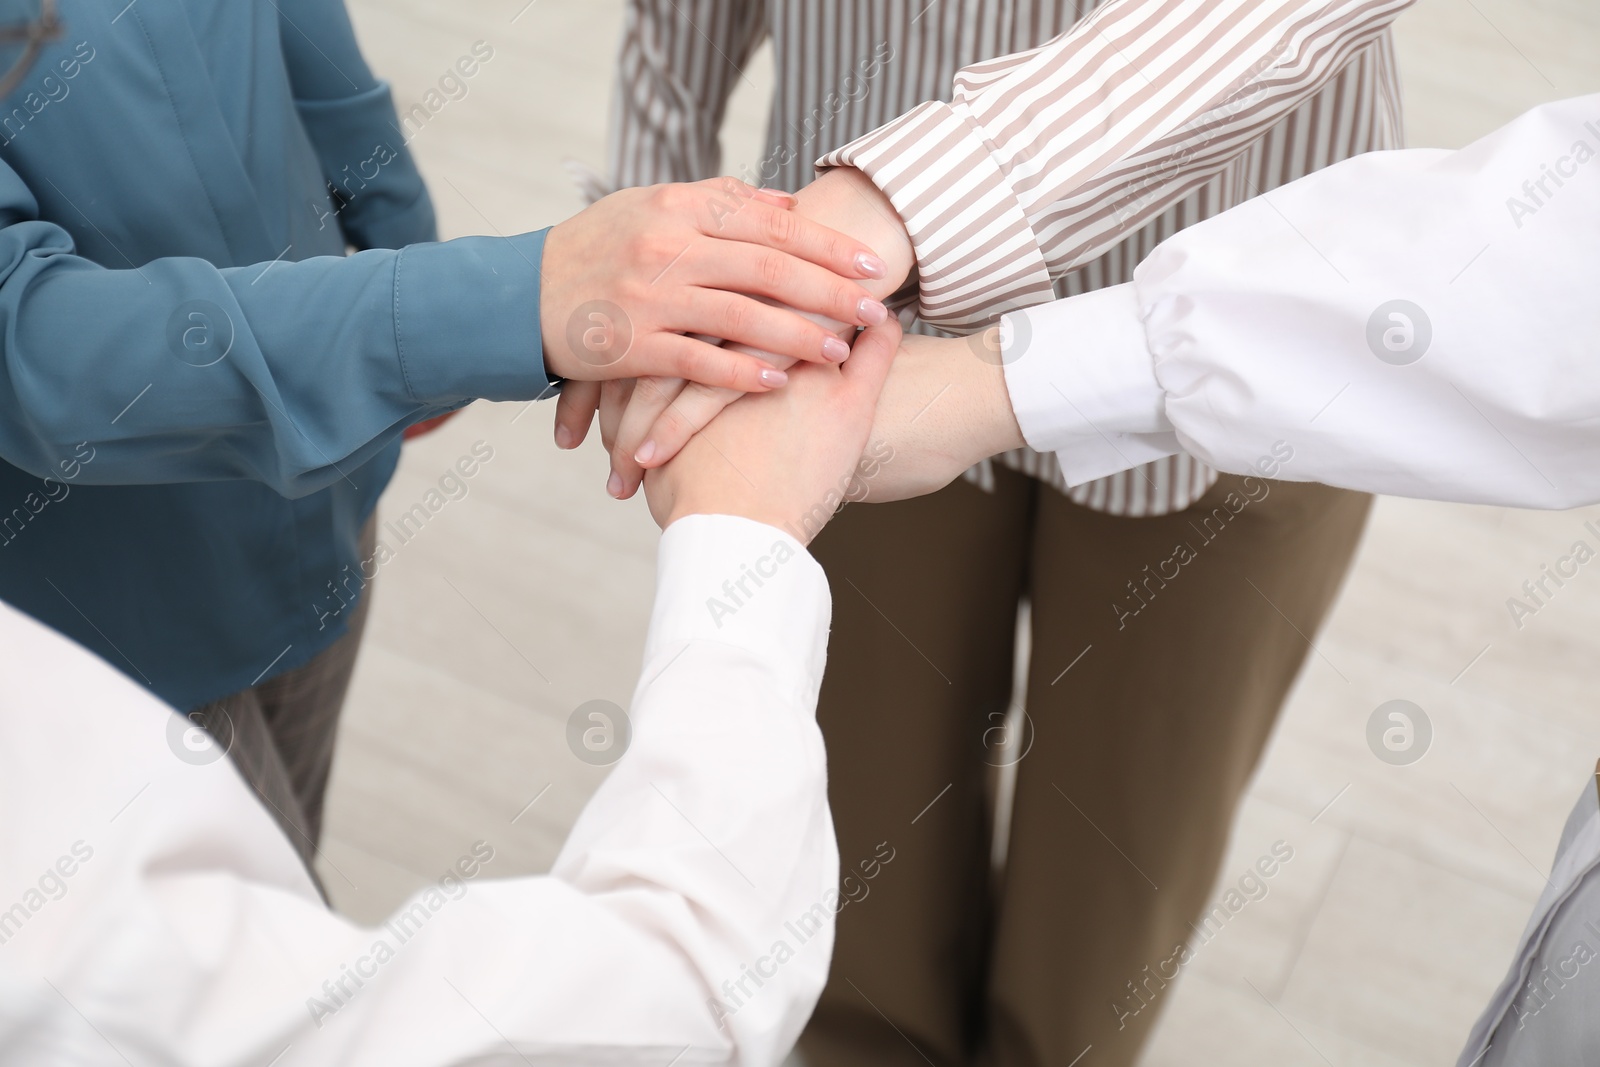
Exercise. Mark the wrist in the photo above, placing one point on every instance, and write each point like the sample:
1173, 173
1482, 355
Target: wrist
684, 508
996, 428
846, 200
553, 343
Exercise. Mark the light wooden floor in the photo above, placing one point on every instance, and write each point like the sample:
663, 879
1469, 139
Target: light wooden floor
1376, 945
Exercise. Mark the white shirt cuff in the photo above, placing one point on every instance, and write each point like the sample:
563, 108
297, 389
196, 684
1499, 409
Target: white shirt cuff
1083, 385
743, 583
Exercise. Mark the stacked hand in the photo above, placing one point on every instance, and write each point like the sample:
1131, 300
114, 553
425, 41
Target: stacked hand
630, 281
786, 457
657, 414
944, 404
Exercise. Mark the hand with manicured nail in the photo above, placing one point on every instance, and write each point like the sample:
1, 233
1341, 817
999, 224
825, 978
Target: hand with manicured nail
633, 283
663, 413
783, 458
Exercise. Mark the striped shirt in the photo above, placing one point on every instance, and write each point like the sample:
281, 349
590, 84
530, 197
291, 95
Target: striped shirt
1101, 130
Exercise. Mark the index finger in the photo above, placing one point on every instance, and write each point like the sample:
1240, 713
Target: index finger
757, 221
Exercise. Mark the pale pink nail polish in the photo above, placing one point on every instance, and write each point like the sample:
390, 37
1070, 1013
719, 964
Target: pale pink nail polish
614, 485
870, 265
774, 378
563, 437
871, 312
835, 350
646, 453
778, 197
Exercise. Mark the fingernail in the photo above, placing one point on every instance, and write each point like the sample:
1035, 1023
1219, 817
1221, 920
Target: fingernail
774, 379
871, 265
871, 311
835, 350
563, 437
777, 196
614, 485
646, 453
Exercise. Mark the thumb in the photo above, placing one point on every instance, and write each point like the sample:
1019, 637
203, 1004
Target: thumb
870, 357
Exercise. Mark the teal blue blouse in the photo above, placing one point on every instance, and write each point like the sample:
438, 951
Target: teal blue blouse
201, 393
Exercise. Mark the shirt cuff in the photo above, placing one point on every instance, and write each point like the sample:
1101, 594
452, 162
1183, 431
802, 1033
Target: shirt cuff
466, 319
977, 254
743, 583
1082, 383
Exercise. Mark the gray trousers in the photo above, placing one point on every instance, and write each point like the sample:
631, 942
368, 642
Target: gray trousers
1546, 1012
280, 733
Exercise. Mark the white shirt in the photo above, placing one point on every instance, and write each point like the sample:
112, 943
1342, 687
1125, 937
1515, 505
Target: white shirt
152, 913
1423, 323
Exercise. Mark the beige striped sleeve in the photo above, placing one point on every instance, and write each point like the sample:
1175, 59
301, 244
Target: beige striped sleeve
1047, 159
679, 63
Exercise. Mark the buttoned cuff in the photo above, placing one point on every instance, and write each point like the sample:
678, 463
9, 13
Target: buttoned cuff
1082, 384
739, 582
977, 255
466, 319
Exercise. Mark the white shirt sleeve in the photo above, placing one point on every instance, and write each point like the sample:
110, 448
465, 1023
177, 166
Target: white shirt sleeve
1421, 323
150, 910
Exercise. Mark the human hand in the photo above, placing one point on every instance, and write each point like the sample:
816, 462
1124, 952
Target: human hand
944, 407
627, 280
785, 458
660, 414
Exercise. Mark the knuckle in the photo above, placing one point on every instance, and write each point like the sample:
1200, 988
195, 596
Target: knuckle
693, 363
832, 247
697, 411
673, 426
729, 189
779, 226
735, 319
773, 268
705, 365
664, 197
650, 391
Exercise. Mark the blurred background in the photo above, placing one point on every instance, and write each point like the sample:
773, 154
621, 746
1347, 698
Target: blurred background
1377, 944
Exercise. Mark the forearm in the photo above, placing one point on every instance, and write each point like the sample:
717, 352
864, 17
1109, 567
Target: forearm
285, 373
944, 408
1395, 321
710, 842
1045, 159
